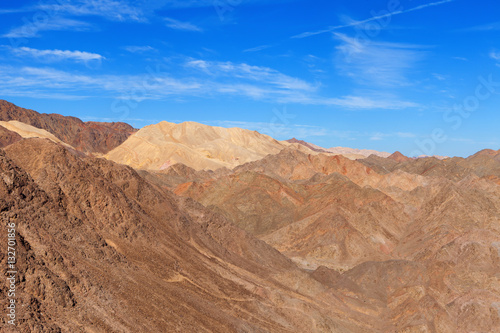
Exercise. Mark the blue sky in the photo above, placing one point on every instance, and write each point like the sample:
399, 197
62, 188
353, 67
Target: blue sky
422, 77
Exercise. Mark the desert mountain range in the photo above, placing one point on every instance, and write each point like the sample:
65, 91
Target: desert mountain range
192, 228
203, 147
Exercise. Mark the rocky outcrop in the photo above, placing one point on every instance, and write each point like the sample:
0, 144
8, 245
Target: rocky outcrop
93, 137
8, 137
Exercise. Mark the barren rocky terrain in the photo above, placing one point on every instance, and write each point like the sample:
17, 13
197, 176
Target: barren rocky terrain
292, 241
417, 239
92, 137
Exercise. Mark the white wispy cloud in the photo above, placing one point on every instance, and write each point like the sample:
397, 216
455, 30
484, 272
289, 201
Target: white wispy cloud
376, 63
252, 82
179, 25
378, 136
199, 79
405, 135
12, 10
57, 55
222, 4
109, 9
493, 26
38, 82
264, 75
374, 18
60, 16
126, 119
257, 48
192, 3
355, 102
439, 77
363, 102
495, 55
276, 128
32, 29
139, 49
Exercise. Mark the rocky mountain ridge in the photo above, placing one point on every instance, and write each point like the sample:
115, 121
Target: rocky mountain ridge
91, 137
295, 240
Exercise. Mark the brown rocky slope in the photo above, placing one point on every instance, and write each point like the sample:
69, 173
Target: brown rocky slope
100, 249
98, 137
8, 137
292, 242
416, 239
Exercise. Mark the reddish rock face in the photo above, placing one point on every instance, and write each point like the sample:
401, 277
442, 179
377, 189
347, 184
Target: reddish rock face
398, 157
302, 142
8, 137
92, 137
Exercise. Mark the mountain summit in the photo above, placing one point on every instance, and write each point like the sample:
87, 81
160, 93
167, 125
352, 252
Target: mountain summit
199, 146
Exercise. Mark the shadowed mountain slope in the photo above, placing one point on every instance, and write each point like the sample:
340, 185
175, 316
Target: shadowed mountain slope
8, 137
93, 137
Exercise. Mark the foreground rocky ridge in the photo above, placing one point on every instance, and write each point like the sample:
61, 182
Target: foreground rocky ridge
101, 248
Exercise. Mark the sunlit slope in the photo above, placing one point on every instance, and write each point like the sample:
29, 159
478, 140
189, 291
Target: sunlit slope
28, 131
198, 146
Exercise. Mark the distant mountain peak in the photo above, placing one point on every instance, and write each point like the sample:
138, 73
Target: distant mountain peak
308, 145
398, 157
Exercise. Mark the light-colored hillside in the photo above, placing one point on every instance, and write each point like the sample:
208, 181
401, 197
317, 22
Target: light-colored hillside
201, 147
351, 153
28, 131
359, 152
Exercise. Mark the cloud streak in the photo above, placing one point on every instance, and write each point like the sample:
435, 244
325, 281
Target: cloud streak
257, 48
32, 29
179, 25
374, 18
276, 129
400, 135
264, 75
140, 49
377, 63
57, 55
196, 79
59, 17
109, 9
494, 26
495, 56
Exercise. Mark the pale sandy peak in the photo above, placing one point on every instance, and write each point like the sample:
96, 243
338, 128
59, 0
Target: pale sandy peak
28, 131
199, 146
